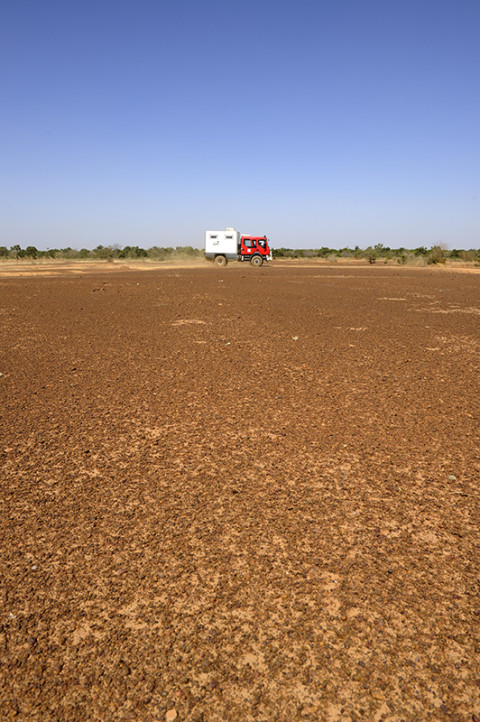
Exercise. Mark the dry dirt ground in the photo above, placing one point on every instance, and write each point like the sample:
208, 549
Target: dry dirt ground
240, 495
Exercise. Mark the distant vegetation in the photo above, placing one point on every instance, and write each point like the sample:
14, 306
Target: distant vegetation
382, 254
100, 253
373, 254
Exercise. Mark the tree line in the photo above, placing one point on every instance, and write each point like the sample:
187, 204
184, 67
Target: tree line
433, 255
103, 253
373, 254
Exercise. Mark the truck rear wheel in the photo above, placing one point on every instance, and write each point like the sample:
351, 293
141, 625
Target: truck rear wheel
256, 261
220, 261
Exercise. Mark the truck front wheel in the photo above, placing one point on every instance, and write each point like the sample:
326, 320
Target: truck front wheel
220, 261
256, 261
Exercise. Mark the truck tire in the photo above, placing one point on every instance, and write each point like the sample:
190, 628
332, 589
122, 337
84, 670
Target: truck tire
220, 261
256, 261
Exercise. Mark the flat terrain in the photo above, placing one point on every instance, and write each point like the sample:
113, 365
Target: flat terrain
240, 495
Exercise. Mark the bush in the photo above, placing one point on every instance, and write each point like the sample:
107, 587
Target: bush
68, 253
470, 256
187, 251
103, 253
323, 252
436, 255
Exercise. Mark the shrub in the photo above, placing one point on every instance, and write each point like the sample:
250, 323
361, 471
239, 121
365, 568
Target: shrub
436, 255
102, 252
470, 256
187, 251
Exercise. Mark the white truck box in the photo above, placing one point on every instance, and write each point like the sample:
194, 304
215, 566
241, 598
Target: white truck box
225, 243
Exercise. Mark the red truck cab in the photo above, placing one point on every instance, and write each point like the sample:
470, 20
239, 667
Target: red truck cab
255, 249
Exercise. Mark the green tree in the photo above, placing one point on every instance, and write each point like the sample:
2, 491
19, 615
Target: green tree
323, 252
103, 252
139, 252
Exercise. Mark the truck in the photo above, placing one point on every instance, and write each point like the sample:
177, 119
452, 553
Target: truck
230, 245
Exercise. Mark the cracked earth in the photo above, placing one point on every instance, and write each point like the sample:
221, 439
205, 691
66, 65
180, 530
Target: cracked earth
240, 494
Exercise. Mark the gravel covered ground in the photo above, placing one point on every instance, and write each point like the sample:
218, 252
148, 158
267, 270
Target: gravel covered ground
240, 495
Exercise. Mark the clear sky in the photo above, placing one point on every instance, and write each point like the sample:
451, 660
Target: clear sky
146, 122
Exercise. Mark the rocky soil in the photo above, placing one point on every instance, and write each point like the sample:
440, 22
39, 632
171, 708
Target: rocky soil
240, 495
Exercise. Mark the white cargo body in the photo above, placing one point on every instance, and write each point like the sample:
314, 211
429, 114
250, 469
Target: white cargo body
225, 243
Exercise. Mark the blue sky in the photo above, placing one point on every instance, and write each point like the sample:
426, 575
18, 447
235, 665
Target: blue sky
340, 123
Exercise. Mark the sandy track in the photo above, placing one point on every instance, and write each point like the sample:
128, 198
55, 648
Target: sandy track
240, 495
23, 268
41, 268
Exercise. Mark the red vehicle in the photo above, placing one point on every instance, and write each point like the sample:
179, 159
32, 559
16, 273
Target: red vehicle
229, 245
255, 249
